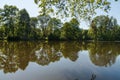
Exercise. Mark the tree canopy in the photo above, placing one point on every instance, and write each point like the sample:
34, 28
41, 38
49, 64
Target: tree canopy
81, 9
104, 28
7, 20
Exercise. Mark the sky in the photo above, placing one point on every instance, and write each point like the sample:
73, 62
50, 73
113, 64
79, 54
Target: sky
33, 9
29, 5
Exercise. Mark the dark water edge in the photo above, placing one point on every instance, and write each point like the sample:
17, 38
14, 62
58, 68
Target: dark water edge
59, 60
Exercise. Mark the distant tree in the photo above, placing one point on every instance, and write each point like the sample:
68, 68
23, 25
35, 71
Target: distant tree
117, 33
70, 30
23, 29
54, 24
55, 35
8, 20
34, 28
33, 22
43, 24
102, 28
2, 32
85, 35
53, 28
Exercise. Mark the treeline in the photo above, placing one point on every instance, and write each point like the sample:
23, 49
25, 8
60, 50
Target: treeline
16, 24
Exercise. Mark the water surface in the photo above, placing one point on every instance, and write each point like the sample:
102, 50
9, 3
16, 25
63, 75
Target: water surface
59, 61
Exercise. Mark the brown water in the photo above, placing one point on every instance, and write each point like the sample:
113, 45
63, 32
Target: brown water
59, 61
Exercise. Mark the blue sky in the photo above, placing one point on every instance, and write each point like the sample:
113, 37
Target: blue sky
33, 9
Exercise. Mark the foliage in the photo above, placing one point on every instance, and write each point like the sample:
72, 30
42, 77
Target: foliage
7, 19
103, 28
33, 22
23, 21
55, 35
16, 24
43, 23
78, 8
54, 26
70, 30
85, 35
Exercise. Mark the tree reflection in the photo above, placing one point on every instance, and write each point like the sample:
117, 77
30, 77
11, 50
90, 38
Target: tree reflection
53, 51
17, 55
103, 54
70, 50
48, 53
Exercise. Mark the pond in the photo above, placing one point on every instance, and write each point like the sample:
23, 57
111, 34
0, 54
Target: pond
59, 60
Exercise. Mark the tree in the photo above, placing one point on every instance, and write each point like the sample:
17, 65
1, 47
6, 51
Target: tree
78, 8
33, 22
53, 28
2, 31
70, 30
54, 24
23, 29
43, 23
98, 27
103, 28
35, 32
8, 19
85, 35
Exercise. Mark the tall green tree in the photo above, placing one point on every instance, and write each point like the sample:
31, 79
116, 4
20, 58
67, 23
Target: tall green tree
71, 30
54, 24
43, 24
103, 28
35, 32
53, 28
33, 22
23, 29
8, 19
